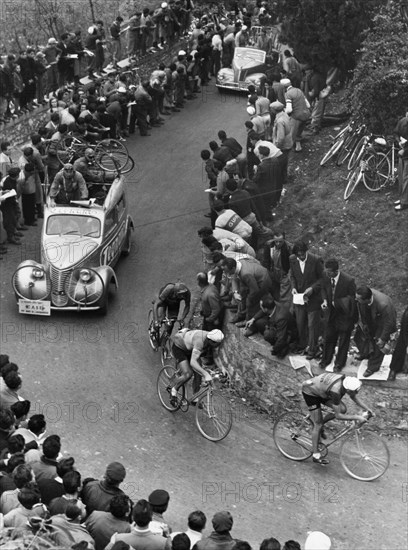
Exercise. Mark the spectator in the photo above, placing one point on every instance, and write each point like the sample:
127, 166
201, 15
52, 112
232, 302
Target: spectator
34, 433
96, 495
46, 467
270, 544
29, 506
134, 35
277, 325
9, 392
292, 68
316, 540
275, 257
9, 207
297, 108
140, 534
338, 295
159, 501
6, 88
68, 185
27, 188
196, 522
51, 488
115, 33
314, 91
7, 420
22, 475
402, 131
230, 220
212, 308
52, 52
291, 545
282, 135
306, 271
71, 483
27, 66
103, 525
269, 179
220, 538
180, 542
377, 321
6, 479
20, 409
68, 530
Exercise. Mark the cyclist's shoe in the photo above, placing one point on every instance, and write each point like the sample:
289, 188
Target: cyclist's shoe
173, 401
321, 460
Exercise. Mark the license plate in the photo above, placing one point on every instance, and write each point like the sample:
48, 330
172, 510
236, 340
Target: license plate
34, 307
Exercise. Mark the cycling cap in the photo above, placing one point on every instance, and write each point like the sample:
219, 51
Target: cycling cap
215, 335
351, 383
316, 540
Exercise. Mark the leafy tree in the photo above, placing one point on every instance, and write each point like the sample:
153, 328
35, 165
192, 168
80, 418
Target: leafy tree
326, 32
378, 93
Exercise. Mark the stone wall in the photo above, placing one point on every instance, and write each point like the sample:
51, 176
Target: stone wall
274, 386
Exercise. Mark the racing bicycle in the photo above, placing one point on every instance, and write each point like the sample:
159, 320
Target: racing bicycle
159, 336
364, 455
213, 413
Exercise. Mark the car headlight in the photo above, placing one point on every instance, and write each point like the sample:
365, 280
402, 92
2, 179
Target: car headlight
31, 281
85, 275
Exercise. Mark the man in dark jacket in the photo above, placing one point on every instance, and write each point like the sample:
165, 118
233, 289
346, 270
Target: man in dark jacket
96, 495
212, 308
275, 257
377, 321
338, 295
276, 323
269, 179
220, 538
400, 351
6, 87
306, 271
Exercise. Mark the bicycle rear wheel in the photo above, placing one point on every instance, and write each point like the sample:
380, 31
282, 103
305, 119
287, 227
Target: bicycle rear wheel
111, 155
165, 380
213, 416
334, 149
349, 144
353, 181
292, 434
151, 332
377, 171
364, 456
356, 154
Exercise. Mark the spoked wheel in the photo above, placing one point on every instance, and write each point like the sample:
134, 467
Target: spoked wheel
347, 148
111, 155
377, 171
130, 164
334, 149
364, 456
353, 181
357, 153
166, 354
213, 416
71, 148
165, 380
292, 434
151, 332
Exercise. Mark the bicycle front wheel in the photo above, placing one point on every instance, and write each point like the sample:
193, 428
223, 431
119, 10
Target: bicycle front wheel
166, 354
364, 456
292, 434
151, 332
354, 180
377, 171
350, 141
334, 149
213, 416
165, 381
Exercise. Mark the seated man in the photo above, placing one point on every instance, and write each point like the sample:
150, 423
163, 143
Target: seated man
188, 347
68, 185
276, 323
169, 302
87, 166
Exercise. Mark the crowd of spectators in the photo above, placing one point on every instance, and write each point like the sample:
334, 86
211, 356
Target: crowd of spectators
42, 492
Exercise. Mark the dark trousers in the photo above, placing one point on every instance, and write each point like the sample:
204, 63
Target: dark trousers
332, 337
308, 325
285, 162
10, 219
215, 62
400, 351
28, 202
139, 114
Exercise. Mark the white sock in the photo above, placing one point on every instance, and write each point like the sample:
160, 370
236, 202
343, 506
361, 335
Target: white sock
173, 392
316, 455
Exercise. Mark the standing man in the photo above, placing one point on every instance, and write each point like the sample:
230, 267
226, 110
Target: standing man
276, 254
298, 110
282, 135
115, 33
315, 84
306, 271
269, 179
400, 351
338, 295
377, 320
211, 303
402, 131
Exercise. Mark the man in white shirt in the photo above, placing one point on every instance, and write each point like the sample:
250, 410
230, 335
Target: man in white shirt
196, 524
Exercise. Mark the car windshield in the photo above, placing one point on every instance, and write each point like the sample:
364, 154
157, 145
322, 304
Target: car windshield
246, 56
85, 226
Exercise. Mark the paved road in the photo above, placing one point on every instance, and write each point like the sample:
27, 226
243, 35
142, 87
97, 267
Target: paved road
95, 378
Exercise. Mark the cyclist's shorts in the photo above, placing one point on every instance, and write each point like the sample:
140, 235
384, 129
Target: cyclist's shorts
313, 402
181, 354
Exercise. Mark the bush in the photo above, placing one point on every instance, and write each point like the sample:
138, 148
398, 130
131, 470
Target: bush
378, 93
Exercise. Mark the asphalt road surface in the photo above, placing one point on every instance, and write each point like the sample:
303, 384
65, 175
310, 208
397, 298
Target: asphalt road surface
94, 378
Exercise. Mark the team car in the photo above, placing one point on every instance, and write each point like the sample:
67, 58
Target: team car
80, 244
248, 67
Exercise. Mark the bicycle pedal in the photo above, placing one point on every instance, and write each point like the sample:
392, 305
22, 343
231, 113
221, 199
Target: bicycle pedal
294, 437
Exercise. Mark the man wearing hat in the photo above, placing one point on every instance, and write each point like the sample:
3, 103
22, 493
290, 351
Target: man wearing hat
282, 134
220, 538
96, 495
51, 52
159, 501
68, 185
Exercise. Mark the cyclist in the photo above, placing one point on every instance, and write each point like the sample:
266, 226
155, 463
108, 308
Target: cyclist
188, 347
329, 389
169, 302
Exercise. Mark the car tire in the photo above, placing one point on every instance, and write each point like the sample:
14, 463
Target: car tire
128, 244
103, 311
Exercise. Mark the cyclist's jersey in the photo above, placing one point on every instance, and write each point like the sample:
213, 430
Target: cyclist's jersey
171, 299
322, 386
190, 340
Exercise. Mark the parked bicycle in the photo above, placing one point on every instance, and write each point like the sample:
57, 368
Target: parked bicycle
213, 413
364, 455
